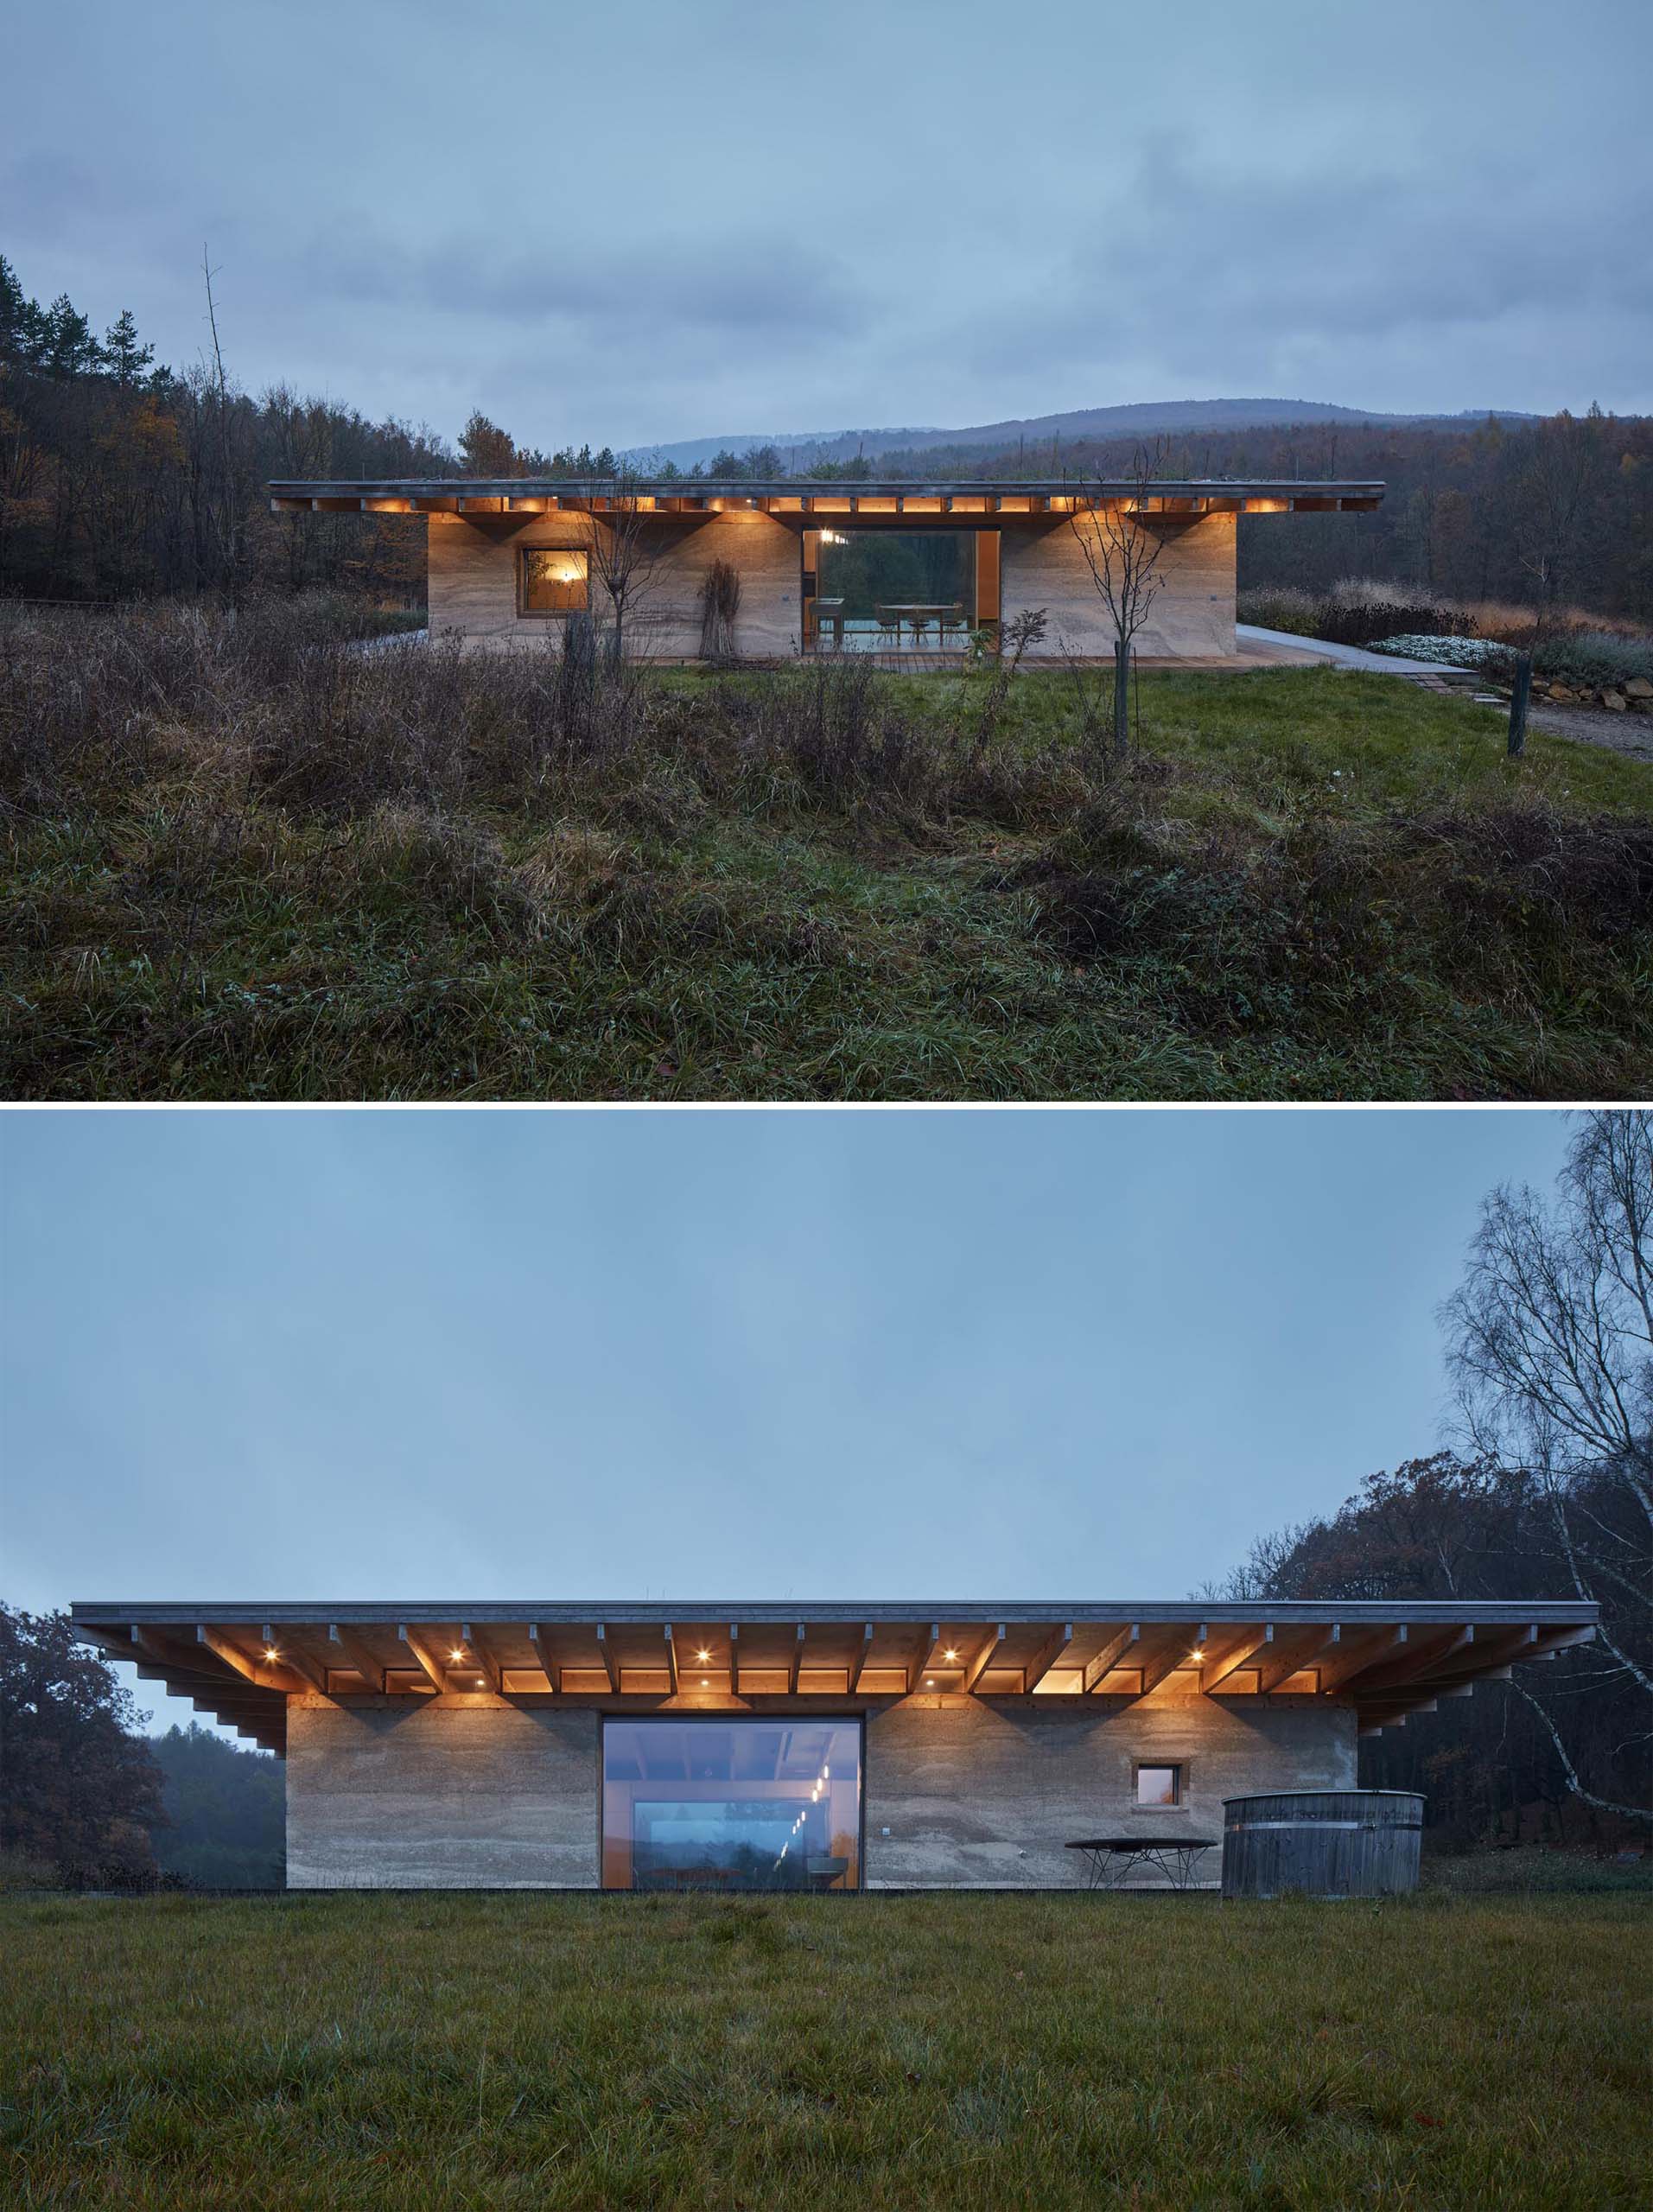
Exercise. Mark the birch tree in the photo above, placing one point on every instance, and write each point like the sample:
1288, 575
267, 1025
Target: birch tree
1550, 1340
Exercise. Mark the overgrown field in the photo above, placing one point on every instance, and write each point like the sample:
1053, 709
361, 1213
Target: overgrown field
248, 859
986, 2052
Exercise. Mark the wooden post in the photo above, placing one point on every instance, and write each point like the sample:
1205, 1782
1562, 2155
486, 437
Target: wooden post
1518, 699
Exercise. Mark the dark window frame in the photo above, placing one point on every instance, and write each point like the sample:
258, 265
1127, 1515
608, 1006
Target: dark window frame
1178, 1769
527, 614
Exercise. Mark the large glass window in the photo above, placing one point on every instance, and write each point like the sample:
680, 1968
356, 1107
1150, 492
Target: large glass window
731, 1804
553, 581
887, 590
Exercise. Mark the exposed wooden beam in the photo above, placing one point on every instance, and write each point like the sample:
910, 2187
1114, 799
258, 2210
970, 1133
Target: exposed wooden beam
1158, 1658
1116, 1649
672, 1659
1289, 1655
1423, 1656
1047, 1656
1356, 1653
858, 1664
1230, 1655
428, 1654
258, 1670
353, 1652
976, 1665
797, 1660
292, 1655
542, 1639
487, 1665
606, 1652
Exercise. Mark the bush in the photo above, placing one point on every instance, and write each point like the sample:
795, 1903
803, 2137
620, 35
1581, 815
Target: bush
1594, 660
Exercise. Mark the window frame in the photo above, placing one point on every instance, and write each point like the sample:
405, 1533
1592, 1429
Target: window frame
526, 613
1178, 1769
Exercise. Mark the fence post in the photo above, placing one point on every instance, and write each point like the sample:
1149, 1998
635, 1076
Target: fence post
1518, 699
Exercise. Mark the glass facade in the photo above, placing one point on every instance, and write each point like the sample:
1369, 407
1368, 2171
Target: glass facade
734, 1804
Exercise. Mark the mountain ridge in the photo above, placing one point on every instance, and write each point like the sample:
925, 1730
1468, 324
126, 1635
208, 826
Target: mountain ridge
1138, 417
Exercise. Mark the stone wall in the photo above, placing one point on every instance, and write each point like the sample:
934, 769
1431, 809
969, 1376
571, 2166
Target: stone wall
984, 1794
472, 1792
474, 560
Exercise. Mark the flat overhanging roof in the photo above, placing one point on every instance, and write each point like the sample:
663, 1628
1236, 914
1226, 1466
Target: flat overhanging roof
1026, 496
1387, 1659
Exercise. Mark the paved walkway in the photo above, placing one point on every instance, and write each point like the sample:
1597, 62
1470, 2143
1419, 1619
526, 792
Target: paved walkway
1247, 635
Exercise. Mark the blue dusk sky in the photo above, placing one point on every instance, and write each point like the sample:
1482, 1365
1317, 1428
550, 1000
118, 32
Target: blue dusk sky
773, 1355
650, 221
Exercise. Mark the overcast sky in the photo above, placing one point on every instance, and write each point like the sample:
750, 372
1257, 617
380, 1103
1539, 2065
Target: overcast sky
739, 1356
649, 220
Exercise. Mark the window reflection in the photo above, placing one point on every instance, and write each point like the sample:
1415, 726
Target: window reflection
554, 581
731, 1804
1159, 1785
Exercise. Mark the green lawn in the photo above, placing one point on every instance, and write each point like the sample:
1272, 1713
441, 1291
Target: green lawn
991, 2051
416, 881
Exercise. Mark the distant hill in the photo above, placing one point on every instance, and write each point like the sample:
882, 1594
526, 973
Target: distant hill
1145, 419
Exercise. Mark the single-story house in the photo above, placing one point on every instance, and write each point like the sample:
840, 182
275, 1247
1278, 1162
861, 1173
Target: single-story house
920, 570
457, 1744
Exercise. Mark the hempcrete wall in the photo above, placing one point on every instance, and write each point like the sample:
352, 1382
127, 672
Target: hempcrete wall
472, 572
465, 1792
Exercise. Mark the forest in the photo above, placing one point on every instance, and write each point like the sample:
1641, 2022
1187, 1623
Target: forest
123, 479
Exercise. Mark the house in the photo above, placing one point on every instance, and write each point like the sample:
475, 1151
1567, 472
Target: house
907, 569
541, 1745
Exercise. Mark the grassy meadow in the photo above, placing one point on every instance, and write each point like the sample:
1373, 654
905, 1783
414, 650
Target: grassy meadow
246, 857
914, 2051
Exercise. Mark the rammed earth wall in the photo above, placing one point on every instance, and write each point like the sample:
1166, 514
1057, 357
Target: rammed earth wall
477, 1791
473, 564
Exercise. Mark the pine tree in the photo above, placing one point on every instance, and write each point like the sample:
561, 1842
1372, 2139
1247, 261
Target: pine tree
71, 350
22, 326
125, 359
487, 450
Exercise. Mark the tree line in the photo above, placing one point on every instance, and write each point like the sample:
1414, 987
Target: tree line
120, 477
1558, 511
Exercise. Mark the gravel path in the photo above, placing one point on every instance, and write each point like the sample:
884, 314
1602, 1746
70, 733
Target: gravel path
1631, 735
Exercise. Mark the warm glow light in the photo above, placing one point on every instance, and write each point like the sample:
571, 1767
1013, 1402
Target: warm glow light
930, 1681
456, 1654
270, 1651
702, 1656
950, 1654
1196, 1653
705, 1684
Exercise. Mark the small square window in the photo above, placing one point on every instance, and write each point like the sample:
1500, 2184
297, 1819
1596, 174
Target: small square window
555, 582
1158, 1785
